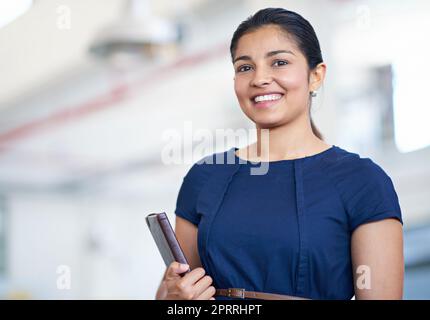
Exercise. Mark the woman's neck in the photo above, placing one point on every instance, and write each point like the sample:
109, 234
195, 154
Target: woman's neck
290, 141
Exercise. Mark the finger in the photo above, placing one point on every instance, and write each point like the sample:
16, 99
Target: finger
207, 294
191, 278
202, 285
175, 269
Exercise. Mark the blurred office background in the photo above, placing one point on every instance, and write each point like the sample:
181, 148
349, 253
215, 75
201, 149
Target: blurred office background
89, 89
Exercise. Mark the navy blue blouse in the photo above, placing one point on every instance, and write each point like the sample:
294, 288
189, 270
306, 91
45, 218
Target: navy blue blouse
287, 231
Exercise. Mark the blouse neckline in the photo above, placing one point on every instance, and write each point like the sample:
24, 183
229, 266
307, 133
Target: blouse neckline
283, 161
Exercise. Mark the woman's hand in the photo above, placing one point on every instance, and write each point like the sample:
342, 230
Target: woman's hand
194, 285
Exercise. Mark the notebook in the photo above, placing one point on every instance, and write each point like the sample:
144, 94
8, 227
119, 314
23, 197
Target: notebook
165, 239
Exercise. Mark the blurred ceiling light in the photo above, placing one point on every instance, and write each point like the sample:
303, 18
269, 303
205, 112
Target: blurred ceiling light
138, 34
11, 10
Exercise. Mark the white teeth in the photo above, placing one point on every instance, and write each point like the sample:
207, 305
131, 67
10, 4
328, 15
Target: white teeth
268, 97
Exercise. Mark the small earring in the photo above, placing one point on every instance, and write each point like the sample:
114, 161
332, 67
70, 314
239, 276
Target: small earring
313, 94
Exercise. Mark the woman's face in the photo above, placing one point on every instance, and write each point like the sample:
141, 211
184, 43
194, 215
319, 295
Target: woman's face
271, 77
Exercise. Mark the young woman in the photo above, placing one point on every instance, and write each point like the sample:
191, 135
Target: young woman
322, 223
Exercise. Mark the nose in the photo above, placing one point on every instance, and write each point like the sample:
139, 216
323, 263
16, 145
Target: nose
261, 78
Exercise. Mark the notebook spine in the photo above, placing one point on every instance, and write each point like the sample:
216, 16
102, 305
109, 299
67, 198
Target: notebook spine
171, 239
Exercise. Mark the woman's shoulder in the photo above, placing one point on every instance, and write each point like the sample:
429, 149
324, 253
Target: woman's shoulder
344, 165
208, 165
366, 190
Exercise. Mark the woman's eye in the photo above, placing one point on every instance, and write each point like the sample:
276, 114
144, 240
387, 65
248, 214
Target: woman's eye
281, 62
243, 68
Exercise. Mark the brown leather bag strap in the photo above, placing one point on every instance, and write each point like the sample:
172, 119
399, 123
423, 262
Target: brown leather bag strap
242, 293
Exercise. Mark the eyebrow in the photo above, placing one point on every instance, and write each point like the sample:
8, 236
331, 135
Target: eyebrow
269, 54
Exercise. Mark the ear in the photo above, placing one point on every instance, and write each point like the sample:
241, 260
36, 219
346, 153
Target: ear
317, 76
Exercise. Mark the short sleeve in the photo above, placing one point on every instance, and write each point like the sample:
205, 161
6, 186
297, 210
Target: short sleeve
189, 191
370, 194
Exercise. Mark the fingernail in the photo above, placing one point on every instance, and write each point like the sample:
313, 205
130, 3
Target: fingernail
184, 266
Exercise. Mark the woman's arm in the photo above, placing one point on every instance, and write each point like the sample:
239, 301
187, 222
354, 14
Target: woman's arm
377, 259
186, 232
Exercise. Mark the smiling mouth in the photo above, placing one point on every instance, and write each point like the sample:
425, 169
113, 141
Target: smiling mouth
266, 101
